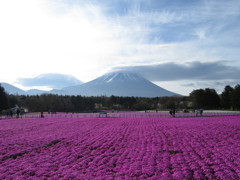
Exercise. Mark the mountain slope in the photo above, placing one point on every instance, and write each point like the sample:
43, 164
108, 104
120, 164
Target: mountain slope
33, 92
115, 83
10, 89
119, 84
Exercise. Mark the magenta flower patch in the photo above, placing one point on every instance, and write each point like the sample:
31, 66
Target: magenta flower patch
120, 148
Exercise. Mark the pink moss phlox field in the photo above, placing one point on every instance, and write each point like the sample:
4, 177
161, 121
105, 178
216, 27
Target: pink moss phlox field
120, 148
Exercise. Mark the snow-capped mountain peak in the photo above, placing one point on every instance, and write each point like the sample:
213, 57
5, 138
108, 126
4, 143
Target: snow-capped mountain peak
120, 83
118, 76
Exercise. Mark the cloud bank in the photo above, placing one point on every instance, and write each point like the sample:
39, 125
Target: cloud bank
187, 71
53, 81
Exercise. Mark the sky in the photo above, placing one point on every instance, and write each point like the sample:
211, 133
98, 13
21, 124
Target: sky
178, 45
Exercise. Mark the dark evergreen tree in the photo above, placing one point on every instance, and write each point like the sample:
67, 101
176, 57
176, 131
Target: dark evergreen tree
235, 97
226, 97
197, 98
205, 98
211, 99
3, 99
12, 100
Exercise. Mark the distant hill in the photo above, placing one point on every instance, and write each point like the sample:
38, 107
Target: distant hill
10, 89
34, 92
120, 84
51, 80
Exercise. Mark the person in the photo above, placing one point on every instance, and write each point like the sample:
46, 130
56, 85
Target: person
173, 112
42, 116
18, 112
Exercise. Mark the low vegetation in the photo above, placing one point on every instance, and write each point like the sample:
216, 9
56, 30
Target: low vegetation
207, 98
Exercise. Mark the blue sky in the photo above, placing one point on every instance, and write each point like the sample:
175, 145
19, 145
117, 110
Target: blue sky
179, 45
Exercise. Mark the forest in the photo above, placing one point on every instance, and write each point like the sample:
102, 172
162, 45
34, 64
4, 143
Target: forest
206, 98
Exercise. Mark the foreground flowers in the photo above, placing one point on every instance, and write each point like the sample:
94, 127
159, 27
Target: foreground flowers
120, 148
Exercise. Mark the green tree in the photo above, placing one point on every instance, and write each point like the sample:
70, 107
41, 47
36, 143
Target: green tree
212, 99
12, 100
142, 104
3, 99
235, 97
197, 99
226, 97
205, 98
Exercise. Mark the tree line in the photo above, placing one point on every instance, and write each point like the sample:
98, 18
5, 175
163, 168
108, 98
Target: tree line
208, 98
200, 98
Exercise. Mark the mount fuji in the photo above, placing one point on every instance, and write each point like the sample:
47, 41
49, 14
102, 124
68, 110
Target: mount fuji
119, 83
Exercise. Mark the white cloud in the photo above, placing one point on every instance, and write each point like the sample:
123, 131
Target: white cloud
36, 38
